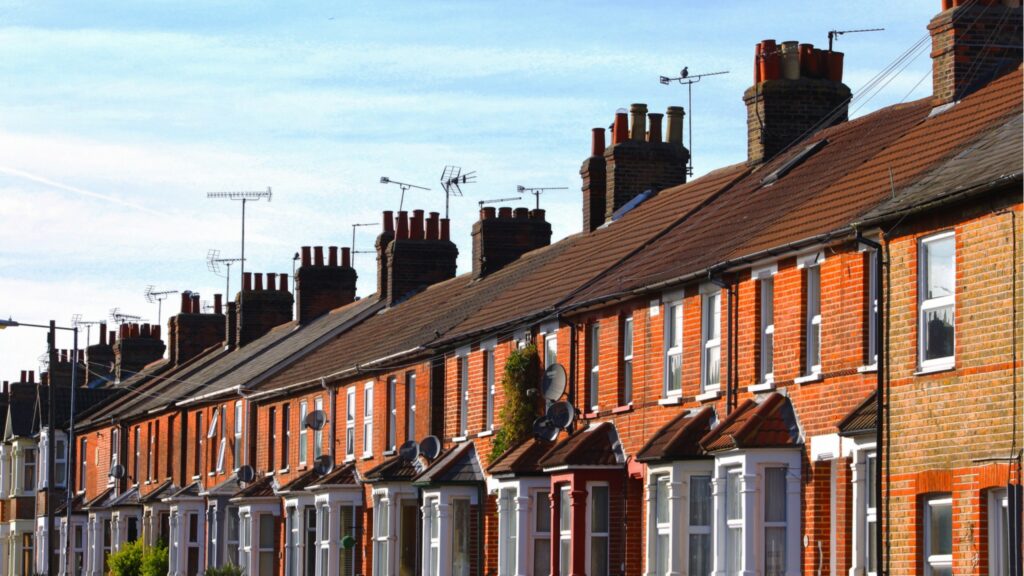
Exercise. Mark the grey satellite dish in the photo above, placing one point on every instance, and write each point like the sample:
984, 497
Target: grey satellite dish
117, 471
409, 451
430, 447
553, 385
245, 474
561, 414
316, 420
323, 465
544, 429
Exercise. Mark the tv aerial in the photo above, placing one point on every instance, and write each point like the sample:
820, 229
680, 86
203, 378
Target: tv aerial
496, 200
76, 321
688, 80
121, 317
244, 197
452, 180
835, 34
214, 263
158, 296
538, 191
404, 186
354, 251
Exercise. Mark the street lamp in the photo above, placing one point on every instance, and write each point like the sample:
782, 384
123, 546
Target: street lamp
51, 466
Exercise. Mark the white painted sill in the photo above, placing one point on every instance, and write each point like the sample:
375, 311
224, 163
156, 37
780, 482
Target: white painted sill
671, 401
762, 387
709, 395
868, 369
485, 434
816, 377
459, 439
933, 368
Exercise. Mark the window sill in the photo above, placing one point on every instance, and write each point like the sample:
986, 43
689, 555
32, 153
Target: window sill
367, 456
673, 401
302, 466
815, 377
459, 439
622, 409
196, 477
709, 395
867, 369
349, 458
389, 453
485, 434
945, 367
762, 387
591, 415
284, 470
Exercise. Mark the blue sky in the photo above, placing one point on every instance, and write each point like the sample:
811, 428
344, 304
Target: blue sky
117, 117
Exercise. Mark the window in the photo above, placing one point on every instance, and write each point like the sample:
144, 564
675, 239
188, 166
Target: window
564, 530
998, 533
489, 388
350, 423
938, 536
303, 433
662, 515
594, 349
137, 442
83, 464
463, 396
542, 533
871, 354
508, 532
812, 321
870, 514
349, 527
318, 435
380, 536
60, 462
433, 529
699, 528
460, 537
115, 446
368, 420
550, 349
266, 543
775, 521
272, 438
410, 406
78, 550
711, 340
27, 552
673, 349
231, 534
599, 529
392, 432
767, 364
733, 521
286, 434
29, 469
192, 549
237, 453
324, 535
197, 461
245, 539
150, 451
937, 301
627, 361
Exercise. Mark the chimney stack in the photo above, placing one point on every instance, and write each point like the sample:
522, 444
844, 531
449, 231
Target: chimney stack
497, 241
973, 43
135, 349
797, 91
191, 331
594, 182
411, 259
383, 240
320, 288
263, 309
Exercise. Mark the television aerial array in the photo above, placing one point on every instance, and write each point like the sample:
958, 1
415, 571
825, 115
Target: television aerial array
119, 317
404, 186
76, 321
537, 191
452, 180
353, 247
214, 263
496, 200
688, 80
158, 296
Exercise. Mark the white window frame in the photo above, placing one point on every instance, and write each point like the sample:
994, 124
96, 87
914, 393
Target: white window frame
231, 541
368, 420
508, 531
710, 307
350, 423
932, 561
871, 313
391, 443
286, 436
410, 405
673, 314
318, 435
591, 533
136, 465
381, 534
565, 533
463, 374
489, 389
998, 531
29, 482
811, 266
551, 348
237, 451
862, 479
303, 433
432, 535
60, 460
594, 352
766, 323
925, 305
628, 328
659, 481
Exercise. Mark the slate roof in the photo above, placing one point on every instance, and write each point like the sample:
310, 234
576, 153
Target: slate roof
394, 469
162, 491
522, 459
228, 487
345, 475
680, 438
100, 501
593, 446
301, 482
77, 503
190, 491
770, 424
860, 420
459, 466
260, 488
129, 498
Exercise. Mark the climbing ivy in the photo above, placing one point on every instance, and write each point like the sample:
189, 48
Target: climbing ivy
519, 411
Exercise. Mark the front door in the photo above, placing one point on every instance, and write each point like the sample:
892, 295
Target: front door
407, 540
310, 540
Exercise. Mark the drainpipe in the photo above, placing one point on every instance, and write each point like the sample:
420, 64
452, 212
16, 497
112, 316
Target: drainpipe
879, 390
334, 426
731, 370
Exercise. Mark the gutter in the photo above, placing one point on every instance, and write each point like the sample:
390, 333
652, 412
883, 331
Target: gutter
964, 194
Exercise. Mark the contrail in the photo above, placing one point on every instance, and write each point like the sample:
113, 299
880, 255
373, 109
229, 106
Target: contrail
73, 189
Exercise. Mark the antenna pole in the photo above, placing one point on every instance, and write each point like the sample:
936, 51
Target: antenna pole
241, 293
689, 80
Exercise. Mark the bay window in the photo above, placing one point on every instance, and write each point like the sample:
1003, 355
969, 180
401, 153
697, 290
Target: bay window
507, 542
662, 516
542, 533
231, 535
936, 301
871, 514
673, 351
699, 527
564, 529
734, 522
381, 528
711, 338
627, 362
432, 535
938, 535
460, 537
599, 529
28, 468
266, 551
775, 521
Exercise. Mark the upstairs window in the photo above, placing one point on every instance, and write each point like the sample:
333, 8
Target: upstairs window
197, 462
812, 320
350, 422
303, 433
767, 364
286, 434
594, 348
61, 462
937, 301
237, 452
318, 435
368, 420
83, 463
150, 451
673, 349
463, 429
137, 441
711, 339
272, 439
550, 349
627, 361
938, 536
871, 261
410, 406
29, 471
489, 388
392, 432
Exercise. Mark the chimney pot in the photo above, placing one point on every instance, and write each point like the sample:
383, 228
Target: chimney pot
196, 306
318, 256
770, 61
155, 332
24, 376
271, 281
445, 229
307, 258
123, 331
144, 331
186, 302
522, 213
416, 225
346, 257
432, 224
111, 337
32, 376
282, 282
597, 142
654, 135
638, 122
218, 303
389, 222
332, 256
402, 225
103, 333
808, 61
835, 66
757, 63
620, 130
247, 281
537, 213
487, 212
791, 60
259, 282
505, 212
675, 124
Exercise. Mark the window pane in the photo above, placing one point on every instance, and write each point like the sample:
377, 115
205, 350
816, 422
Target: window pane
542, 556
599, 514
713, 365
267, 532
940, 268
564, 509
675, 364
938, 332
543, 513
941, 529
775, 551
733, 550
661, 554
713, 312
733, 505
872, 549
460, 538
661, 513
869, 473
775, 495
564, 553
700, 554
700, 501
599, 556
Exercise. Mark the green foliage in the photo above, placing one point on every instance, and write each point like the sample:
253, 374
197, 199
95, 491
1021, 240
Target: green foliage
155, 560
229, 570
127, 561
519, 411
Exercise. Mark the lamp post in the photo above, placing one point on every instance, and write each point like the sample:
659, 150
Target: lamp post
51, 466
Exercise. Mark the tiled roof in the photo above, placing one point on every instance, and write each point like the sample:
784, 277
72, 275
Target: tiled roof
77, 503
190, 491
101, 501
394, 469
861, 420
228, 487
161, 492
301, 482
680, 438
459, 466
593, 446
261, 488
522, 459
344, 475
129, 498
770, 424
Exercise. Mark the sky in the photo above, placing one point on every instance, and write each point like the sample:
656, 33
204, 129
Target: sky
116, 119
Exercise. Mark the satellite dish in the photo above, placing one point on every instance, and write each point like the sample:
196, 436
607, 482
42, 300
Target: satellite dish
561, 414
409, 451
117, 471
316, 420
544, 429
323, 465
430, 447
553, 385
245, 473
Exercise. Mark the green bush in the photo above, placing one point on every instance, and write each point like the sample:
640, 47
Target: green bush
127, 561
155, 560
519, 411
229, 570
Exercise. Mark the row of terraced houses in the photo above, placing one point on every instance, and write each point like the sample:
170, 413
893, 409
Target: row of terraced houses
804, 363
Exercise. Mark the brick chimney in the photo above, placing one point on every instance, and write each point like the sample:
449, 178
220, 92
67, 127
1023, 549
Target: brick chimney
261, 309
502, 236
420, 254
637, 160
137, 345
231, 327
973, 43
60, 372
798, 90
99, 358
191, 331
383, 240
323, 286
